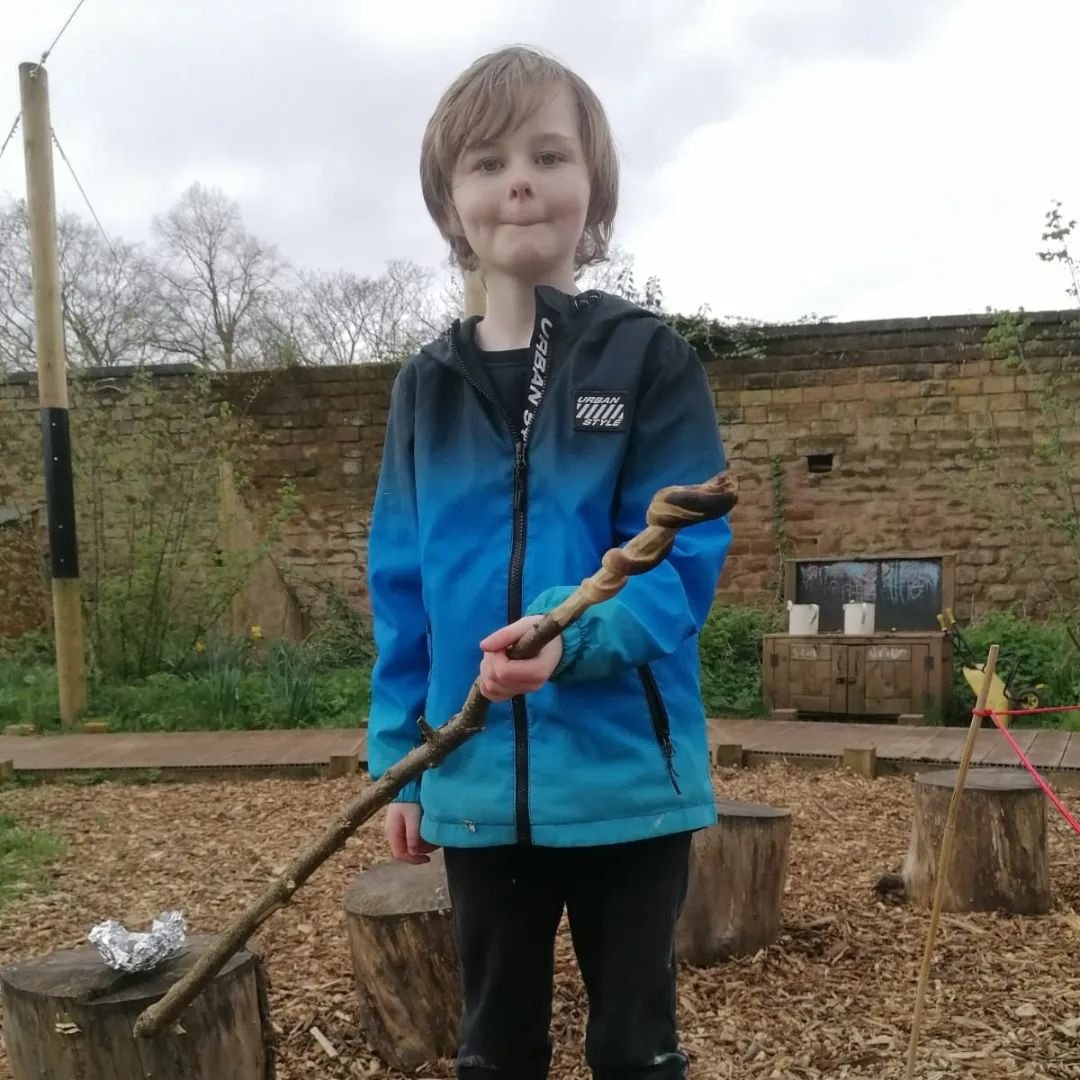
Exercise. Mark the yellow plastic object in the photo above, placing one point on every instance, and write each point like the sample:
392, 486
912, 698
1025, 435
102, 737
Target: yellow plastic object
996, 701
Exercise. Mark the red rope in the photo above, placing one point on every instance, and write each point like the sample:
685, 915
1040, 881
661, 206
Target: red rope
1025, 712
1023, 757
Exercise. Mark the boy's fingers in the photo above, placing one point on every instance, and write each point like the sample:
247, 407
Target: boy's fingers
395, 835
499, 640
501, 677
505, 636
399, 826
412, 839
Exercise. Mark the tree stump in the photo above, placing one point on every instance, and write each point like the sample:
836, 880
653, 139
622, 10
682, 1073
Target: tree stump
738, 868
408, 976
68, 1016
999, 860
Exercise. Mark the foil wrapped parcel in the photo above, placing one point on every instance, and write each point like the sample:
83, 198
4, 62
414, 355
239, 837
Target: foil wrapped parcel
128, 950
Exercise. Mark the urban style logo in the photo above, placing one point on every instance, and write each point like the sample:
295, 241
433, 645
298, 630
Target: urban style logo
600, 411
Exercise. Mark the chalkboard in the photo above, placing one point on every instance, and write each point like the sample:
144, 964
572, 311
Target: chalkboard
907, 593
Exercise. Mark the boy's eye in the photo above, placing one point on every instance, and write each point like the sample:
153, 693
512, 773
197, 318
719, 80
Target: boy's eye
488, 164
549, 157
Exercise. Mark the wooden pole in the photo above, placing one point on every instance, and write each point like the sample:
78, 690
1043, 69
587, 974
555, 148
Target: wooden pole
475, 294
946, 853
52, 392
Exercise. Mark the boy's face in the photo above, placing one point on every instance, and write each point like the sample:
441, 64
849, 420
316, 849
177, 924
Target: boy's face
523, 199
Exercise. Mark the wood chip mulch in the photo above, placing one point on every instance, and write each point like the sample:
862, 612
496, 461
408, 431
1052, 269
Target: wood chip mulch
832, 998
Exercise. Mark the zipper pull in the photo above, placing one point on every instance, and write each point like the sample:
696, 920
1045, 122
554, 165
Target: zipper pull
669, 755
669, 748
519, 474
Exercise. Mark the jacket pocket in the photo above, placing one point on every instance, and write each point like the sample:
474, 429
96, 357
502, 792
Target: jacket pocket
661, 724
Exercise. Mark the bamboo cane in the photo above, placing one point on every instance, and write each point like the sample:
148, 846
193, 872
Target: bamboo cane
945, 853
671, 509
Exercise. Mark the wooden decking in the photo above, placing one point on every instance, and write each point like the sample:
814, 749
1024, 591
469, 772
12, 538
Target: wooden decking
190, 752
1047, 750
309, 752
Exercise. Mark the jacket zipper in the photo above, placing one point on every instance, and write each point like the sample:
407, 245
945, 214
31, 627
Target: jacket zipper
514, 601
513, 607
660, 723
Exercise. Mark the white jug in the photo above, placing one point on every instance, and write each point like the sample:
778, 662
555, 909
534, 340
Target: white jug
858, 617
802, 618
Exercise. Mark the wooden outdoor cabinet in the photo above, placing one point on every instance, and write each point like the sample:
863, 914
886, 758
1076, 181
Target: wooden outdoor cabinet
904, 668
881, 675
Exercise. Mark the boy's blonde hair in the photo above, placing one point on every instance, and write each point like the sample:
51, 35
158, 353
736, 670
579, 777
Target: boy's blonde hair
494, 95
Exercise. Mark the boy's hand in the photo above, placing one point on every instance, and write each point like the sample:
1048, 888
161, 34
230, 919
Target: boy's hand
403, 833
502, 678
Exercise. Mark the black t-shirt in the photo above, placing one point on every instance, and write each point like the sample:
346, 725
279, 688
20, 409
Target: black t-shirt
508, 371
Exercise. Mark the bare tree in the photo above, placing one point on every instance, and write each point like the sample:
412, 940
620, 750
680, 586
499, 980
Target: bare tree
405, 310
335, 316
107, 295
213, 293
280, 327
616, 275
341, 318
214, 274
16, 294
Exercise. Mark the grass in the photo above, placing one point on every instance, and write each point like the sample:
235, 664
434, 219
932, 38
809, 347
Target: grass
228, 686
25, 856
325, 682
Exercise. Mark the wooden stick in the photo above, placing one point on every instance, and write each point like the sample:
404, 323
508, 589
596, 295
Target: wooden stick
671, 509
946, 853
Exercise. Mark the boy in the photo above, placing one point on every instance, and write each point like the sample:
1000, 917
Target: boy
520, 446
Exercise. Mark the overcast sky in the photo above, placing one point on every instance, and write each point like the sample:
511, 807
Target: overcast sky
851, 158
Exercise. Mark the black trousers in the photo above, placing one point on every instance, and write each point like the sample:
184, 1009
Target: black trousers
622, 902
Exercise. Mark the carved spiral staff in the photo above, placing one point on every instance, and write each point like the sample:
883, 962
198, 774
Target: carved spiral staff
671, 509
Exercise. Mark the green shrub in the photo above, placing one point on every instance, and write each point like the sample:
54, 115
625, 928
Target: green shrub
33, 647
1043, 652
286, 692
730, 651
220, 685
344, 636
290, 678
326, 681
28, 694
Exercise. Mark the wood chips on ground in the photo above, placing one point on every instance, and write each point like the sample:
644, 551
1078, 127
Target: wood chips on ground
832, 998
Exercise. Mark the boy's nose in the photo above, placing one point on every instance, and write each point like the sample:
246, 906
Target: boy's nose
520, 188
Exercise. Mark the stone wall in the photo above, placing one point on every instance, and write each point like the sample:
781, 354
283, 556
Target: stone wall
899, 413
848, 439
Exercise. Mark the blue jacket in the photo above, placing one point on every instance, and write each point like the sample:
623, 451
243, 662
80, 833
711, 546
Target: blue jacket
476, 523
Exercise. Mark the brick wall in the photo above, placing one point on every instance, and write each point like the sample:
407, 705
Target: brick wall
901, 406
897, 404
